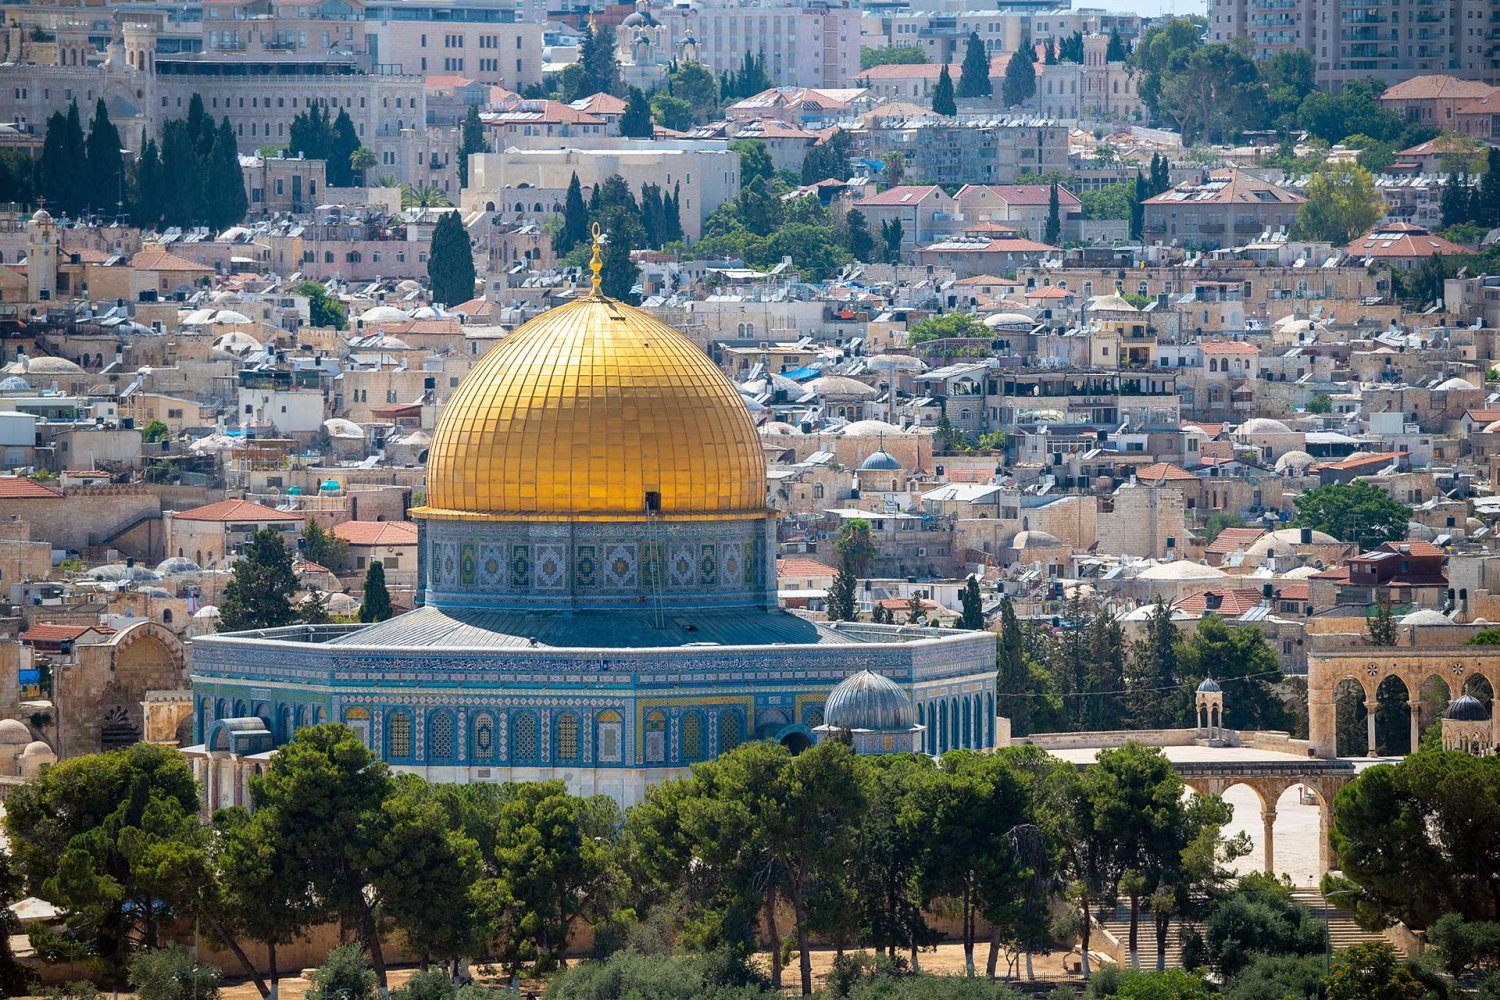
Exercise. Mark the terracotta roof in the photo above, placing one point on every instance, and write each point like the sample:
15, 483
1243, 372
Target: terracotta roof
21, 488
600, 104
1163, 472
1229, 347
1293, 592
1212, 430
1230, 603
1024, 194
236, 510
1226, 187
1049, 292
447, 82
1381, 458
162, 260
51, 633
540, 113
902, 194
801, 566
1403, 241
1425, 550
377, 532
1426, 88
1230, 539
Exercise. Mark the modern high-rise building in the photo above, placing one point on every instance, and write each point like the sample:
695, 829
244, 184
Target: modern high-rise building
1350, 40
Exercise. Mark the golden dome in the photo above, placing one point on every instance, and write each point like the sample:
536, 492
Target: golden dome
583, 412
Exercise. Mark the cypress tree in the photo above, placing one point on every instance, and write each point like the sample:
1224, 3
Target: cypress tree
1054, 218
1488, 212
973, 606
651, 214
635, 123
76, 172
376, 606
472, 142
1050, 56
1020, 79
974, 79
859, 241
53, 168
106, 165
1138, 207
1457, 202
224, 198
147, 212
841, 594
343, 141
1012, 673
596, 54
673, 216
1116, 50
942, 94
450, 262
182, 176
620, 272
575, 225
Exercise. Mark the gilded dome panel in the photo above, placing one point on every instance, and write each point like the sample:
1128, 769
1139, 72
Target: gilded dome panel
583, 412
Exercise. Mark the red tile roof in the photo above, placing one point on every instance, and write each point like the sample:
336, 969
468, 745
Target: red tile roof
1426, 88
1230, 539
21, 488
236, 510
903, 194
1226, 187
1163, 472
1381, 458
48, 632
1229, 347
377, 532
1231, 603
163, 260
1024, 194
801, 566
1402, 242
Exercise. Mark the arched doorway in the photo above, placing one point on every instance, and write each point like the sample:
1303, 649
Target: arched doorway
796, 742
1433, 698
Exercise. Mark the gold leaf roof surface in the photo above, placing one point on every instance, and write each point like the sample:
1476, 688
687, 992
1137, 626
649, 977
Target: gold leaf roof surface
581, 413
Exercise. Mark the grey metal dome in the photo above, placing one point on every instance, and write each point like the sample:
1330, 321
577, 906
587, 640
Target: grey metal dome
880, 461
1467, 708
868, 701
1209, 686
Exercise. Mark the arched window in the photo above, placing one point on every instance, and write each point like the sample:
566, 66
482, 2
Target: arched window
817, 491
609, 738
166, 616
523, 739
656, 737
692, 737
440, 742
283, 724
989, 720
239, 709
942, 741
567, 737
922, 721
482, 746
398, 739
953, 724
729, 731
967, 719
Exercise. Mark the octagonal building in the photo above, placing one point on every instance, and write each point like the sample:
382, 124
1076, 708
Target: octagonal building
596, 592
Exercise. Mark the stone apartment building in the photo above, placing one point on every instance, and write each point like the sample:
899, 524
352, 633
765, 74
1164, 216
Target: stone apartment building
1001, 150
1224, 208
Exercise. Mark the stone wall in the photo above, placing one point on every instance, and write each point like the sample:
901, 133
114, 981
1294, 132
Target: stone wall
68, 522
102, 690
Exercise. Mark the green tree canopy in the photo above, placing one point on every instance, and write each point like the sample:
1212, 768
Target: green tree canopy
259, 595
323, 309
892, 55
1353, 512
376, 606
1342, 203
946, 327
635, 123
942, 94
974, 77
450, 262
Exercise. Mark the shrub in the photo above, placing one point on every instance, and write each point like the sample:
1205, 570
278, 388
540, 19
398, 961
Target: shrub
346, 975
171, 974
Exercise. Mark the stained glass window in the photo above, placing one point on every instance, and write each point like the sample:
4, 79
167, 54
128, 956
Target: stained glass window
440, 736
729, 731
692, 736
484, 737
525, 738
400, 735
567, 737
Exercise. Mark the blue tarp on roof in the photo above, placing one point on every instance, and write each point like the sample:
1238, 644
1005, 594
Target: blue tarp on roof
801, 374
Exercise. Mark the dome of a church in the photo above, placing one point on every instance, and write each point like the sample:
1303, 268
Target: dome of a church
881, 461
868, 701
1467, 708
585, 413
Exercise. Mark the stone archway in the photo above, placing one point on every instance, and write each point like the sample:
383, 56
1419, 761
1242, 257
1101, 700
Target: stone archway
99, 702
1370, 666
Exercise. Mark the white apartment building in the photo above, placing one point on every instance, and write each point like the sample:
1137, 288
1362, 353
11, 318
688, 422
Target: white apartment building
816, 45
1353, 39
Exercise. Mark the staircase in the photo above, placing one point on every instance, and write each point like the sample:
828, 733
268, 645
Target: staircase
1343, 931
1115, 926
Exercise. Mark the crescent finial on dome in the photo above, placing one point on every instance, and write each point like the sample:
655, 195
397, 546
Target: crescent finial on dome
597, 264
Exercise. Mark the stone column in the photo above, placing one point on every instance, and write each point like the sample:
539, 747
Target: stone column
1416, 724
1322, 723
1370, 727
1325, 849
1268, 824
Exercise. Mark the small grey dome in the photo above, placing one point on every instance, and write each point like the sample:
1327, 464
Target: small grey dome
1467, 708
1209, 686
880, 461
868, 701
